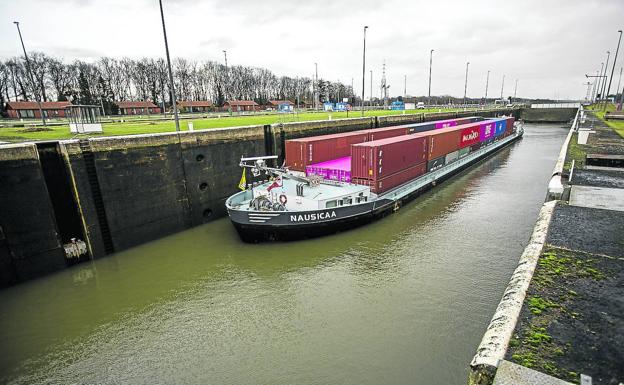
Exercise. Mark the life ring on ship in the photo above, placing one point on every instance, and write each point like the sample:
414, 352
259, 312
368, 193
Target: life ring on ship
283, 199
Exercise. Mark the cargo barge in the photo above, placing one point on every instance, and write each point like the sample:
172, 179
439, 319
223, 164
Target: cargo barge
333, 183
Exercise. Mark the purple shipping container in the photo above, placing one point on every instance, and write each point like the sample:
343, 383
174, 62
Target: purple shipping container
446, 123
486, 130
337, 169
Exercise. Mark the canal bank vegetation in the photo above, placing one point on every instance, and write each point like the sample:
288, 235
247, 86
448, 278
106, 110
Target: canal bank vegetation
558, 331
576, 153
617, 125
157, 125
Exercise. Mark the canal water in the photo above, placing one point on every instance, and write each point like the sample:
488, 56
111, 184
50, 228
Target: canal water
404, 300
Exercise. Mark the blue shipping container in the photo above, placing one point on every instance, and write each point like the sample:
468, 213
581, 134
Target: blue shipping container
501, 125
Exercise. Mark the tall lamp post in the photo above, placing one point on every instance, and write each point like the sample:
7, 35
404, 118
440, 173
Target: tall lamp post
466, 83
227, 75
372, 90
515, 89
487, 83
502, 87
618, 86
598, 83
363, 67
604, 80
404, 87
430, 63
32, 78
171, 84
315, 86
612, 69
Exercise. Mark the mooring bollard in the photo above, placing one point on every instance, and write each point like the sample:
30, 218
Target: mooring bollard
190, 126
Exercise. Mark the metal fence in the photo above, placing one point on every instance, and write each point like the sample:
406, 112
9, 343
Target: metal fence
557, 105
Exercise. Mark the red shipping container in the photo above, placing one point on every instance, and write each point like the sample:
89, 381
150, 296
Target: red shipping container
469, 136
387, 132
316, 149
381, 158
382, 185
442, 141
509, 128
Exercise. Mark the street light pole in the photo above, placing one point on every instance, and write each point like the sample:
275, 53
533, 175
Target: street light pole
227, 75
363, 67
502, 87
173, 93
372, 89
32, 78
598, 82
604, 80
315, 87
404, 87
430, 63
612, 69
466, 83
618, 86
487, 83
515, 89
593, 90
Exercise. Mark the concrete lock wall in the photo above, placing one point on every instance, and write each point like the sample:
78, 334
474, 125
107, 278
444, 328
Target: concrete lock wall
29, 242
548, 115
156, 185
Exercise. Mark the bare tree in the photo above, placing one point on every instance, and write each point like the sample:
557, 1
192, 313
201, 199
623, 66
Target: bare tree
109, 80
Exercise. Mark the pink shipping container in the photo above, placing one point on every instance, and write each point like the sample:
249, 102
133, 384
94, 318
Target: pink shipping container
380, 158
382, 185
337, 169
316, 149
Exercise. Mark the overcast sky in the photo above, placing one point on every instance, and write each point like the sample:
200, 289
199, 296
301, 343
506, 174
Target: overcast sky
548, 45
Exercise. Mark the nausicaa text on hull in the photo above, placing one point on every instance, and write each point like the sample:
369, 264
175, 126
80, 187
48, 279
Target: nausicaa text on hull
292, 205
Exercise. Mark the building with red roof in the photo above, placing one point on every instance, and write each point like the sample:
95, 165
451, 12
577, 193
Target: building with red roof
241, 105
195, 106
30, 110
137, 108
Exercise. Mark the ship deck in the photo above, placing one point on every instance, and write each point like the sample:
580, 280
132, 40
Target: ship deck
313, 198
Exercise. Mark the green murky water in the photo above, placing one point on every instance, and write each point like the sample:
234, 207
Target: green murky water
404, 300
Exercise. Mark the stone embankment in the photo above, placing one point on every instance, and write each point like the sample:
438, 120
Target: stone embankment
566, 324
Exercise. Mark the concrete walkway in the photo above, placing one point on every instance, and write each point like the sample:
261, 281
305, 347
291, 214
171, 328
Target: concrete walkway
597, 197
509, 373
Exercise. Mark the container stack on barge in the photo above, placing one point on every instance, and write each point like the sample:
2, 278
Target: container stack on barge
335, 182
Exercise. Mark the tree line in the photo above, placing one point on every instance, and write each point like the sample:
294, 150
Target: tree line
110, 80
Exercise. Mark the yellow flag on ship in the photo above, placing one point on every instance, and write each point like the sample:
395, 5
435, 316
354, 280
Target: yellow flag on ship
243, 181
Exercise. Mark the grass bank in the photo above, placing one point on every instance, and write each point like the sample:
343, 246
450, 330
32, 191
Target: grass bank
617, 125
17, 134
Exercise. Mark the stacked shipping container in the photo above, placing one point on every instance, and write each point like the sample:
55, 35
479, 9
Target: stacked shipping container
388, 157
303, 152
442, 146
